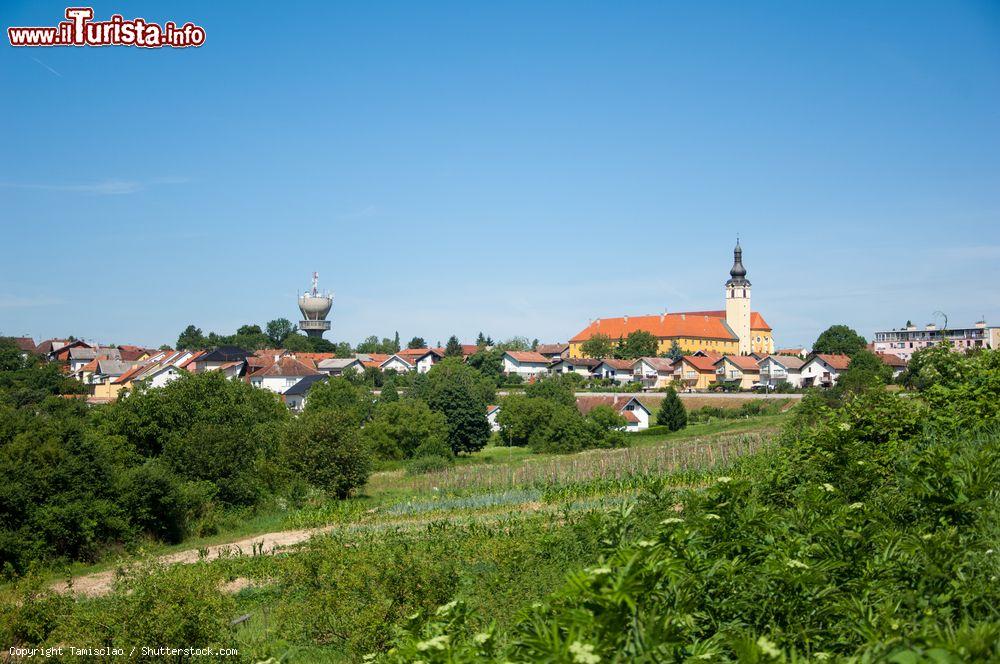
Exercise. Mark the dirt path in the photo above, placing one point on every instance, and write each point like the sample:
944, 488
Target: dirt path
101, 583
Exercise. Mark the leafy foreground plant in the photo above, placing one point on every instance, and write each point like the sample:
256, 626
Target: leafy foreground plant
897, 565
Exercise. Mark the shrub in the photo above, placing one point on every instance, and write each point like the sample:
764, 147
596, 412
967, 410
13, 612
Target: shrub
427, 464
342, 395
520, 416
400, 427
325, 449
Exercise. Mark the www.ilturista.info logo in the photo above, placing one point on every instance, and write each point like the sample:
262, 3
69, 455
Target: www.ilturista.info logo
80, 30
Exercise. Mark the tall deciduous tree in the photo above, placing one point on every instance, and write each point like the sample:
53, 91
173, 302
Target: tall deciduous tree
278, 330
598, 346
638, 344
839, 339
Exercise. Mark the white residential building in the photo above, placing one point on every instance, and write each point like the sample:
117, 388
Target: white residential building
823, 370
526, 364
775, 369
619, 371
579, 365
653, 372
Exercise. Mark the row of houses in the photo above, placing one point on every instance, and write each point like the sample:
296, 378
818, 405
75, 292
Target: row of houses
700, 370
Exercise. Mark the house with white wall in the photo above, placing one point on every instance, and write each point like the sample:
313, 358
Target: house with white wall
578, 365
741, 370
619, 371
397, 364
775, 369
336, 366
491, 416
653, 372
823, 370
295, 397
526, 364
281, 375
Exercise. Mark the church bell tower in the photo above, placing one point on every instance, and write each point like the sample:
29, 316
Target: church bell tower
738, 301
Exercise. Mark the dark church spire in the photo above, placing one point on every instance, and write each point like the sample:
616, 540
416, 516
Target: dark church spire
739, 273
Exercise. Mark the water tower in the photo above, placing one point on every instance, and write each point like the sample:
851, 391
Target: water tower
314, 307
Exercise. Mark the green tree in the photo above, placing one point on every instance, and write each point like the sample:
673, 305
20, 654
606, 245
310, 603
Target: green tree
340, 394
278, 330
638, 344
675, 353
416, 342
395, 343
389, 393
866, 371
489, 362
148, 418
461, 394
324, 447
191, 339
597, 346
298, 343
672, 413
453, 348
370, 344
839, 339
521, 416
399, 428
558, 389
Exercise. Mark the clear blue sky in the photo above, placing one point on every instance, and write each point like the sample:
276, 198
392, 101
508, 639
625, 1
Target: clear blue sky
512, 167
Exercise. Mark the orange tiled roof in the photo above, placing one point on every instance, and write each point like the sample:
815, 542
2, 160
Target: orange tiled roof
702, 364
892, 360
836, 361
744, 362
528, 356
619, 365
662, 327
287, 366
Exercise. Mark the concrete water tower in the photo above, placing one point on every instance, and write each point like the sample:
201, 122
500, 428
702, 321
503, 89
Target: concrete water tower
314, 307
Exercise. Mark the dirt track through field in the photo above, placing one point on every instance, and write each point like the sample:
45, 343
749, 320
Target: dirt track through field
101, 583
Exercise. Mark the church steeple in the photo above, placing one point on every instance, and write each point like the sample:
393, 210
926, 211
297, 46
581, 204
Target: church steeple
738, 301
738, 274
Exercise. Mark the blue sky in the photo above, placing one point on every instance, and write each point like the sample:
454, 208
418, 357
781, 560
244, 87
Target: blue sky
516, 167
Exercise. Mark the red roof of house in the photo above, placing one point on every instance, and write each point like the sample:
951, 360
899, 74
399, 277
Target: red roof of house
552, 349
24, 344
585, 404
838, 362
287, 366
659, 363
892, 360
744, 362
619, 365
529, 356
702, 364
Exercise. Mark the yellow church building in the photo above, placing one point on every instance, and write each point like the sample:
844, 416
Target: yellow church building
735, 330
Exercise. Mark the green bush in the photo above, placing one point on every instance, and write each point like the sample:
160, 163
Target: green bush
399, 428
428, 463
324, 448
